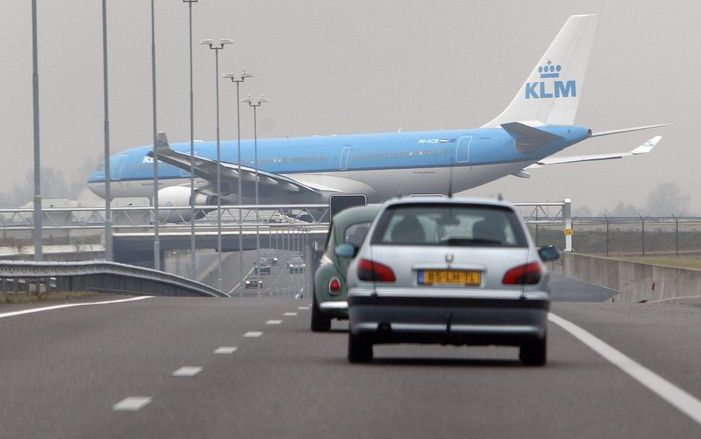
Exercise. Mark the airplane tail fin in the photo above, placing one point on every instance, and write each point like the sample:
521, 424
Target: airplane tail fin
551, 92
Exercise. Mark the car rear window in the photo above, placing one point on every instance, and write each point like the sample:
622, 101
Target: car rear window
355, 233
467, 225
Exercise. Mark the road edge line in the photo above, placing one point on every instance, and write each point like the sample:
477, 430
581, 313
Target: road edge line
68, 305
677, 397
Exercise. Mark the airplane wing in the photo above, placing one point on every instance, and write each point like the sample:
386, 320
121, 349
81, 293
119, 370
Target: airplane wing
207, 169
642, 149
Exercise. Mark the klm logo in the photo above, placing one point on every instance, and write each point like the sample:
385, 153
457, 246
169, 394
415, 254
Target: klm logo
556, 89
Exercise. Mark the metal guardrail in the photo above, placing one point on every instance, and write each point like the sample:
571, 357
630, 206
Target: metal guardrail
99, 276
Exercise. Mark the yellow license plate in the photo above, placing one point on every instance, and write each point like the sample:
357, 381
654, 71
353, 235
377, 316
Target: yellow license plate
449, 277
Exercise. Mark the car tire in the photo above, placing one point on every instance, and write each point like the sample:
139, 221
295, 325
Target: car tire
359, 349
534, 352
320, 321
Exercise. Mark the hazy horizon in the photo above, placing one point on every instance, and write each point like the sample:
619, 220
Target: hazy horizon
332, 67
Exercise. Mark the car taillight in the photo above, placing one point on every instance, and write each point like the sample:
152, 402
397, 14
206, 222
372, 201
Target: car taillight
334, 285
374, 271
526, 274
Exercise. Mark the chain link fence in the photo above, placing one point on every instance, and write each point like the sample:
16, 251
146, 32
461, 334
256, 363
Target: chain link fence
626, 236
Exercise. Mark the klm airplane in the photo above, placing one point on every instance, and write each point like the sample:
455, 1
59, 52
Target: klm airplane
538, 123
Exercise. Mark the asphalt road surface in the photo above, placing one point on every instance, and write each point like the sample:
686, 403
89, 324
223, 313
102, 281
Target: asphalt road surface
70, 373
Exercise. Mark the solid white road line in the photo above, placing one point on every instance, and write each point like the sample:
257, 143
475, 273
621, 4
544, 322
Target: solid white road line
225, 350
187, 371
132, 403
290, 314
683, 401
253, 334
273, 322
69, 305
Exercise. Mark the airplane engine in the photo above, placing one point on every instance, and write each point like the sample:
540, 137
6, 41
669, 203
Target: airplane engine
180, 196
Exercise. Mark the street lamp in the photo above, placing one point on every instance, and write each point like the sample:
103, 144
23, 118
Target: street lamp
156, 232
193, 259
238, 82
108, 175
255, 103
216, 48
38, 236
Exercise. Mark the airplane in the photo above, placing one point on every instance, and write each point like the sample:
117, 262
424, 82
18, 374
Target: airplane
538, 123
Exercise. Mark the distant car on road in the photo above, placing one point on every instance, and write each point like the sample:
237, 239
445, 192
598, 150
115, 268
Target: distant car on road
253, 282
329, 299
448, 271
269, 260
262, 268
296, 264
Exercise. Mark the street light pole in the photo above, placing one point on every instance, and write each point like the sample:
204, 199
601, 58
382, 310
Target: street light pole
255, 104
193, 248
108, 175
156, 219
38, 238
216, 48
238, 82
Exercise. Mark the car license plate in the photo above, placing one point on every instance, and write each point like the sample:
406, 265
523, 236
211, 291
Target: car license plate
449, 277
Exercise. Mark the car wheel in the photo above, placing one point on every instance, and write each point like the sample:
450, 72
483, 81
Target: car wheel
320, 321
359, 349
534, 352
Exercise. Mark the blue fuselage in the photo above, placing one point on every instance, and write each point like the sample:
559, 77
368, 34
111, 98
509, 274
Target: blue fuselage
356, 155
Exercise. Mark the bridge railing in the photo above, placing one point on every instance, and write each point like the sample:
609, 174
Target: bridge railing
235, 219
136, 217
102, 276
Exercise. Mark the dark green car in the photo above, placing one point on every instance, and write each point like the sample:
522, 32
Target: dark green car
329, 300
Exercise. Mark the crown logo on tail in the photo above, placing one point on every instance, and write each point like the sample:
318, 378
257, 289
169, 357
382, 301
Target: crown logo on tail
549, 70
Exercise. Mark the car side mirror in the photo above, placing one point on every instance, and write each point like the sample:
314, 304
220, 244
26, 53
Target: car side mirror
345, 250
549, 253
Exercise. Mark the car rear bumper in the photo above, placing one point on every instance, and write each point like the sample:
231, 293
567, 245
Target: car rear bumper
455, 321
338, 308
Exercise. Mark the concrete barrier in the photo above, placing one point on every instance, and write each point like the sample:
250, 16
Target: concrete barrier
636, 282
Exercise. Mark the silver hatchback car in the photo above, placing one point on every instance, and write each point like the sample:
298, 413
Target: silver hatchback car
448, 271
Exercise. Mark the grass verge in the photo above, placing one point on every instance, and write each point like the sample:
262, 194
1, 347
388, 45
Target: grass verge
42, 297
689, 262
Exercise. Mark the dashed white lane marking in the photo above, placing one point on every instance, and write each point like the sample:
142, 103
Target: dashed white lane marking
187, 371
225, 350
132, 403
290, 314
273, 322
69, 305
253, 334
303, 308
683, 401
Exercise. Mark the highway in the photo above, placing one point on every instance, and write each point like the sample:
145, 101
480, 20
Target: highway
70, 373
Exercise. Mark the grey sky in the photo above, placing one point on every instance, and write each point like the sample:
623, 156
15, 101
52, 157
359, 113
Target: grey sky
333, 67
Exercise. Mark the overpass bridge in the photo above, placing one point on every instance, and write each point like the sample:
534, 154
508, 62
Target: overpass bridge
284, 227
